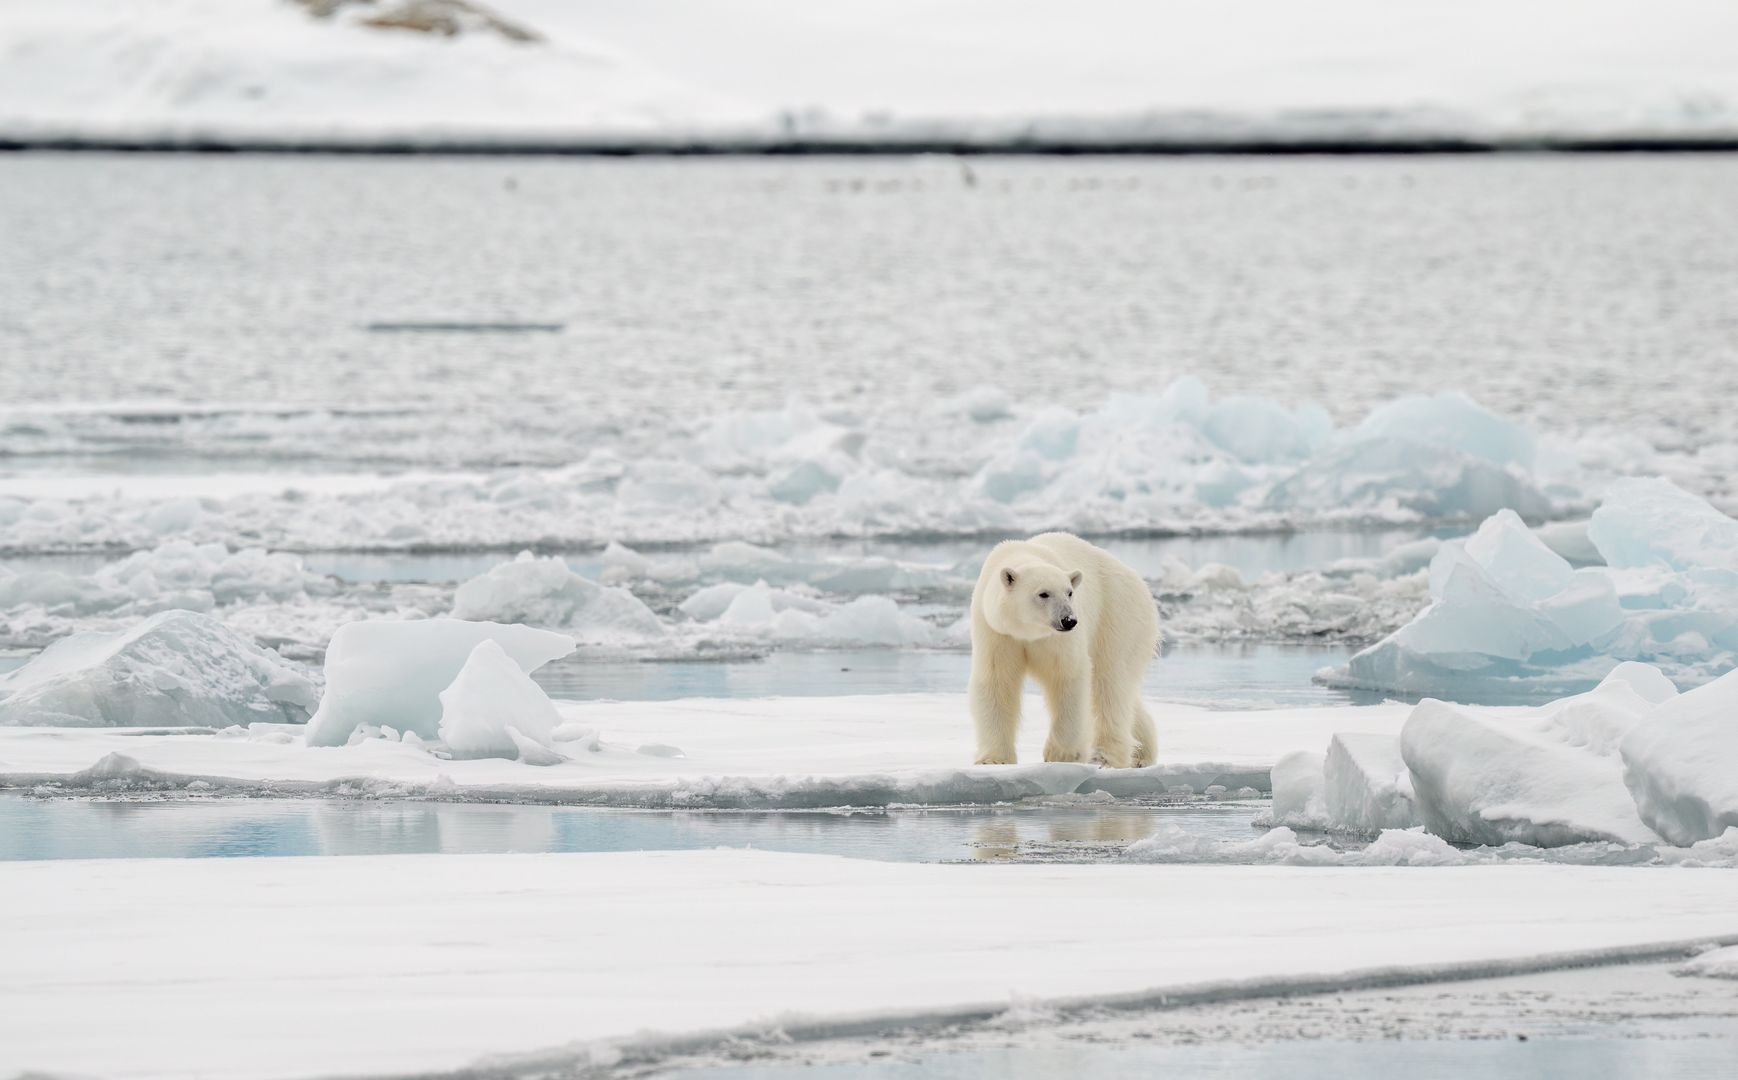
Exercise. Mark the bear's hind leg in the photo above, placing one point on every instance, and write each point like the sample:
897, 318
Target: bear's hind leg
1146, 737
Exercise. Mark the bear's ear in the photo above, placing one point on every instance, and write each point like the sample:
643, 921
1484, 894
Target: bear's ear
1074, 579
1008, 578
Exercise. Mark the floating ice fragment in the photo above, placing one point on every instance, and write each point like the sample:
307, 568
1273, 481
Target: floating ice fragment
392, 672
494, 709
174, 669
544, 592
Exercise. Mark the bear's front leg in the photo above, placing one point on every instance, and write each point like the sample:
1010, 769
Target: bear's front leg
997, 678
1070, 720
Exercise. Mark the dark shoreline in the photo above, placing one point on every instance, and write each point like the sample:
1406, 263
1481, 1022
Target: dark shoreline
892, 147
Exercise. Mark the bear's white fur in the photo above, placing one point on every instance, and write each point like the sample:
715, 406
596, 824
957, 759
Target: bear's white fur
1084, 626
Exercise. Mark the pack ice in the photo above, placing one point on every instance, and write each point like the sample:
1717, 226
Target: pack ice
1507, 612
174, 669
1179, 459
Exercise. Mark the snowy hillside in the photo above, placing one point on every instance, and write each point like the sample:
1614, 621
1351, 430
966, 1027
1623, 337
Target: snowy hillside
544, 70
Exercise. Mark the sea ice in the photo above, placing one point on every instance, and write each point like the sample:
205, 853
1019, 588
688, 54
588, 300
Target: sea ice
174, 669
1508, 612
1298, 795
494, 709
1366, 787
544, 592
392, 672
1682, 764
1651, 522
1547, 777
1177, 459
1713, 964
177, 574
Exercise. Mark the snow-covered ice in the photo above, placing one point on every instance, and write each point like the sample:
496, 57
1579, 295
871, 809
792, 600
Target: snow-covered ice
1507, 611
1681, 766
1546, 776
1628, 762
174, 669
1366, 786
390, 673
759, 753
579, 958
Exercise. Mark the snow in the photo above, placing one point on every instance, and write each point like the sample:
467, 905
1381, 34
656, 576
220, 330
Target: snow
493, 709
661, 70
757, 753
544, 592
391, 673
1507, 611
1681, 766
195, 68
423, 964
174, 669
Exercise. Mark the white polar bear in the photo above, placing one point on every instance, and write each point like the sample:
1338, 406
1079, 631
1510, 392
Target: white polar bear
1029, 599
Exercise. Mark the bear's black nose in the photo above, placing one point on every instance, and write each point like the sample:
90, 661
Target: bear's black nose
1068, 623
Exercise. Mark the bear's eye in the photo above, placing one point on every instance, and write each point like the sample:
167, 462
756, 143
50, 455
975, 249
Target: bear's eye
1070, 594
1043, 596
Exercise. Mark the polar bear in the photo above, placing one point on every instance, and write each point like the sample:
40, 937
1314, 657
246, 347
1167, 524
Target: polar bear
1080, 623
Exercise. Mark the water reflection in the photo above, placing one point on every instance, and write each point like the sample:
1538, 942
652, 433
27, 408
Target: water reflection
35, 829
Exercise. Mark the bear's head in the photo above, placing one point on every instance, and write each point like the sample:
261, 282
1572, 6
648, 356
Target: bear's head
1033, 601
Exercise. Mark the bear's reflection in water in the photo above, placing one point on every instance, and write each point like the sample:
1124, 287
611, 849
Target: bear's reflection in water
1001, 839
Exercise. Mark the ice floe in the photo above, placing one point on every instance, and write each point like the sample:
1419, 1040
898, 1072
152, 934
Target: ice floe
701, 753
390, 673
1507, 612
173, 669
567, 964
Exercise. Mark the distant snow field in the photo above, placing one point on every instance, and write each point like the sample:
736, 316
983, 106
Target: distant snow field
429, 70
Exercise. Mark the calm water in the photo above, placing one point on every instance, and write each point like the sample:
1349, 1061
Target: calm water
33, 829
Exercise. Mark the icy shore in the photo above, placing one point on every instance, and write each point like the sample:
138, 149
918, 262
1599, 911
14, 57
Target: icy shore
434, 72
